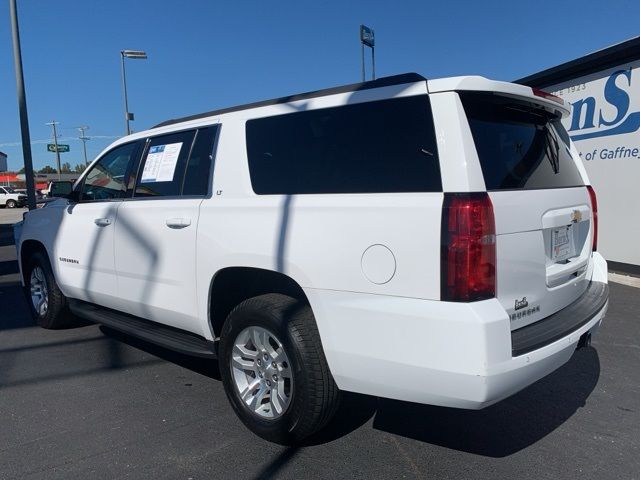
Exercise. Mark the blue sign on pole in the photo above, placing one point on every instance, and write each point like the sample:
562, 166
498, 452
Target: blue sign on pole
367, 36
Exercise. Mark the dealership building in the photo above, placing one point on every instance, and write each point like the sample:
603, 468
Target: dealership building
604, 91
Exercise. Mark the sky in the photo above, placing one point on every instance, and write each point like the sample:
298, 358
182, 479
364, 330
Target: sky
211, 54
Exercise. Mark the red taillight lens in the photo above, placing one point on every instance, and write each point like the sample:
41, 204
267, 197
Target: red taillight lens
594, 215
468, 258
549, 96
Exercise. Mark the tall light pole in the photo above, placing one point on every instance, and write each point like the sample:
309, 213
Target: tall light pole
22, 107
135, 54
84, 139
53, 124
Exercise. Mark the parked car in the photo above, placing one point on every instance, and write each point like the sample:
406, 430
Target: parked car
11, 198
432, 241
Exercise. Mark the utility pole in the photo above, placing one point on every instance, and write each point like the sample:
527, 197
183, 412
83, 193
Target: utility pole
53, 124
22, 107
84, 142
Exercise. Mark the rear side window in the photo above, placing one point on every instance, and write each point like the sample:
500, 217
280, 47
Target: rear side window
198, 174
162, 168
375, 147
520, 146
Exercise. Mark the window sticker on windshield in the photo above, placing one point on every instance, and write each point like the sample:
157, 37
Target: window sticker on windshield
161, 162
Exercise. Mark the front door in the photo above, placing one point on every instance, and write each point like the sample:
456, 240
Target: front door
83, 245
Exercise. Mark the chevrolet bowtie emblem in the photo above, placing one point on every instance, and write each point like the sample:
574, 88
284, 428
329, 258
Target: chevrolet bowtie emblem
576, 216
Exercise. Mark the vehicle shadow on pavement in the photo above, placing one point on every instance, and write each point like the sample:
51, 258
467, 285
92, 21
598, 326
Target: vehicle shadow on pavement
496, 431
13, 307
506, 427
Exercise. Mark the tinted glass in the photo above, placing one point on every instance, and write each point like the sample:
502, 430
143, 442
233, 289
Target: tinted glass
162, 168
198, 174
375, 147
106, 179
520, 146
60, 189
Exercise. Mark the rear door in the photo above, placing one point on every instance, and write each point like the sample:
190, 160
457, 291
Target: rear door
155, 243
542, 207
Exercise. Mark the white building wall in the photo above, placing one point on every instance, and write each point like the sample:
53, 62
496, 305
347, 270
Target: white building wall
605, 126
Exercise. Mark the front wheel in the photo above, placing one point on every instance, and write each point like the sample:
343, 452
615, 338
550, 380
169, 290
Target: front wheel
11, 204
47, 303
274, 370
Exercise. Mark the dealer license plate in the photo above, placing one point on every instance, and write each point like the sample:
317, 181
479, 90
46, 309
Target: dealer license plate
562, 246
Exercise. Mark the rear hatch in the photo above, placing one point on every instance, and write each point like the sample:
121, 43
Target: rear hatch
541, 205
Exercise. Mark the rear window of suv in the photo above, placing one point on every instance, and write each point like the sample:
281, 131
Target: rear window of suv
374, 147
520, 146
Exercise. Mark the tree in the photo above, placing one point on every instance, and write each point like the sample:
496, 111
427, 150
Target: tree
21, 170
66, 167
47, 169
79, 168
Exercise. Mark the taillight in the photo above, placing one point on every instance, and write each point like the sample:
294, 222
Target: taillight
594, 215
549, 96
468, 256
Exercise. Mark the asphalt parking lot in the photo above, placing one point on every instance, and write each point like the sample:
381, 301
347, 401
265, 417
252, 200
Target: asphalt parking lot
90, 403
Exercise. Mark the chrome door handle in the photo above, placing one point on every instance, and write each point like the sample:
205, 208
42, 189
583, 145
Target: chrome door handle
178, 222
102, 222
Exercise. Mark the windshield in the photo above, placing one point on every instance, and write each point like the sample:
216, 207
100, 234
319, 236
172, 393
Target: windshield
520, 146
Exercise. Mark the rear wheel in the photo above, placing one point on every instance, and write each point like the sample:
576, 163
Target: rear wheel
47, 303
274, 370
11, 204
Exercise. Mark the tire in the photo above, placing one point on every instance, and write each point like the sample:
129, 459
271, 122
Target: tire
11, 204
56, 313
313, 395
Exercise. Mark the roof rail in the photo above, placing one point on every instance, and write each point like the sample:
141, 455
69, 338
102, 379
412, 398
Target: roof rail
380, 82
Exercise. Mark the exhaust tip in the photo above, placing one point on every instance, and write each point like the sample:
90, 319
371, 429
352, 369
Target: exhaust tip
585, 341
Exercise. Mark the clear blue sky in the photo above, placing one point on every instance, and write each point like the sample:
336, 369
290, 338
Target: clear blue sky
207, 54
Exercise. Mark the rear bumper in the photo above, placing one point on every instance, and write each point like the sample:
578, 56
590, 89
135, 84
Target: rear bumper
442, 353
562, 323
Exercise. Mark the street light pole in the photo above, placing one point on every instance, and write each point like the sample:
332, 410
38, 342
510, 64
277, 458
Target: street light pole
53, 123
22, 107
135, 54
126, 102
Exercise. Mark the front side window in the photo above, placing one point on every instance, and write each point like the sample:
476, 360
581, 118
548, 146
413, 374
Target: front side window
374, 147
106, 179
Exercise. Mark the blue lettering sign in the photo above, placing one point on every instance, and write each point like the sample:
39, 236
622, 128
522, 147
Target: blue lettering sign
614, 96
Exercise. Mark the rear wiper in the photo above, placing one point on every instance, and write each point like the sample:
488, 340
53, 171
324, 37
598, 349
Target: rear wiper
552, 149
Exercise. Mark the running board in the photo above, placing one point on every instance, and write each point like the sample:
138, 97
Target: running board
172, 338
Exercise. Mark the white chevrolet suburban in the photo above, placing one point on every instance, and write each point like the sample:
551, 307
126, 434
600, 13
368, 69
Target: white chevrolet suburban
431, 241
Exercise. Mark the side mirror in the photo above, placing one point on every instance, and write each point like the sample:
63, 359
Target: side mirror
73, 196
